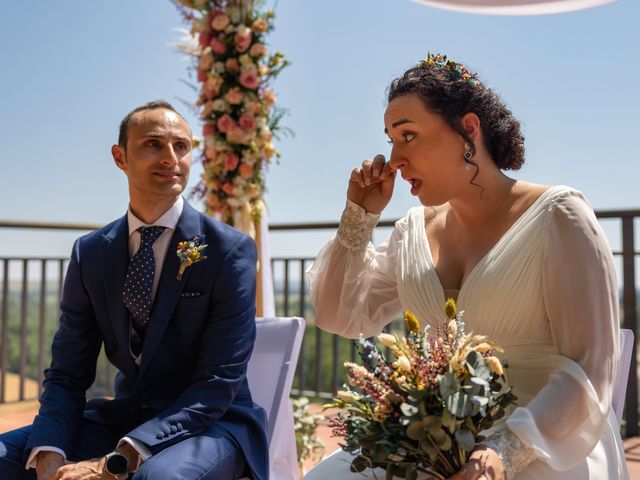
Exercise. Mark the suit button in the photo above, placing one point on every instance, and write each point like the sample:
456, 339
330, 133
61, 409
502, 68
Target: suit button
173, 429
179, 425
160, 435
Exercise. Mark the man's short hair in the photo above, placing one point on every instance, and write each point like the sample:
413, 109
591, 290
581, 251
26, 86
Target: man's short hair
124, 124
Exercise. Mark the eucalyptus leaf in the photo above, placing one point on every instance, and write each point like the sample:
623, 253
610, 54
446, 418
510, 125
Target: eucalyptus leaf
416, 431
432, 422
359, 464
459, 404
448, 384
465, 439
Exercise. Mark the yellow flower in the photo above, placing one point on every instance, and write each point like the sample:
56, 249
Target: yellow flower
494, 365
450, 309
411, 322
387, 339
482, 348
346, 396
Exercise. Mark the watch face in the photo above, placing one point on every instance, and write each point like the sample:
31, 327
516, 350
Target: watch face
117, 464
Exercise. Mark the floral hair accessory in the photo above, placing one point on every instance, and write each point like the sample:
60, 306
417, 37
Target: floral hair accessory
455, 69
189, 252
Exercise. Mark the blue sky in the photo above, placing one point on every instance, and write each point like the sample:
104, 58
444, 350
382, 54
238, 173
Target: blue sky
72, 69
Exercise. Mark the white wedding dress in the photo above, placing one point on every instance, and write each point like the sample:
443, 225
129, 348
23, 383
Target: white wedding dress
546, 292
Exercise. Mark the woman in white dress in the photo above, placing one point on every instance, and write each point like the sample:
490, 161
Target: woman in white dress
529, 265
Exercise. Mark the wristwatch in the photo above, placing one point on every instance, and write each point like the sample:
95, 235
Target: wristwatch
117, 465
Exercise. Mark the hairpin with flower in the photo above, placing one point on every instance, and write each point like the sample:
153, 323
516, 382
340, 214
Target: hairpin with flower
455, 69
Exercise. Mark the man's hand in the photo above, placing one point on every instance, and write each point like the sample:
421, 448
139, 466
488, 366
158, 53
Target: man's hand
484, 464
86, 470
47, 465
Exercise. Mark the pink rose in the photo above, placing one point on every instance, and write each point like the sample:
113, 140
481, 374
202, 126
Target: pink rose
237, 135
260, 25
258, 50
246, 171
231, 162
228, 188
249, 79
219, 21
208, 129
202, 76
234, 96
212, 86
232, 65
206, 60
242, 39
218, 47
247, 122
226, 123
269, 97
204, 39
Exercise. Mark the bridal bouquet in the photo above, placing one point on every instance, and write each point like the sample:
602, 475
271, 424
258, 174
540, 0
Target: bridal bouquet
420, 407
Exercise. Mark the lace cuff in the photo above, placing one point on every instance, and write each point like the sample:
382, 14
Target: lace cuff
515, 455
356, 226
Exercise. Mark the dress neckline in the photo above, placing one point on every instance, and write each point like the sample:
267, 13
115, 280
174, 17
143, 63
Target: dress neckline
485, 257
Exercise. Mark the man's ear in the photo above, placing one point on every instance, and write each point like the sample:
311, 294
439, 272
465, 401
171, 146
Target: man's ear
119, 157
470, 123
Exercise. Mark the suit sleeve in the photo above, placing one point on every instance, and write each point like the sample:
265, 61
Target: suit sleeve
225, 349
74, 353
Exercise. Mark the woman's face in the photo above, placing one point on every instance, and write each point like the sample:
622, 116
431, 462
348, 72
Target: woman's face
426, 151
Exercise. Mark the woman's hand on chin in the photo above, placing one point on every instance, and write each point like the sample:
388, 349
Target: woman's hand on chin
371, 185
484, 464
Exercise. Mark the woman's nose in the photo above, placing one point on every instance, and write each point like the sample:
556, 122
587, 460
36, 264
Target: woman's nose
396, 160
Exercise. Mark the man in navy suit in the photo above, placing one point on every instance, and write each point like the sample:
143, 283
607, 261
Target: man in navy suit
180, 335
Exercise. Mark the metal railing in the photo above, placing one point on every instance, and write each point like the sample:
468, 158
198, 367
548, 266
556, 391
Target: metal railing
29, 311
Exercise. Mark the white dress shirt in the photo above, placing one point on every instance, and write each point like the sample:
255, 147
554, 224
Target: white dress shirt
169, 220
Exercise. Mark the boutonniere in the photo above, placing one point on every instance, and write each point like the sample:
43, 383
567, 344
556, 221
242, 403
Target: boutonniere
190, 252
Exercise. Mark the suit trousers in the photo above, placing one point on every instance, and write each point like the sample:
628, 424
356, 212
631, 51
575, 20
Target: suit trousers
212, 455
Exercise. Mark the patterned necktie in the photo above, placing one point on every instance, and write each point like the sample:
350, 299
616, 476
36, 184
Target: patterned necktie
139, 279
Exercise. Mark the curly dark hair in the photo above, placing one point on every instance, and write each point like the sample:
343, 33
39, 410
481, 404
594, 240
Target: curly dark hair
451, 96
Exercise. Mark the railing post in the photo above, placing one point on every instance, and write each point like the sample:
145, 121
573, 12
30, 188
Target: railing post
4, 332
630, 322
42, 322
24, 310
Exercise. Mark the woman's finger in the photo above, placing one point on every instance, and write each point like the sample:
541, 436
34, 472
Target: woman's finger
357, 176
377, 165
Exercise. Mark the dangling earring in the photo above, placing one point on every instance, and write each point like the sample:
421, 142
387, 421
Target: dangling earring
468, 154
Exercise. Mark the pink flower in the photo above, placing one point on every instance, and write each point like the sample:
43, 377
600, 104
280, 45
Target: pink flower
206, 60
212, 86
269, 97
226, 123
243, 39
204, 39
228, 188
219, 20
234, 96
258, 50
232, 65
249, 79
237, 135
231, 162
247, 122
218, 47
265, 134
208, 129
246, 171
260, 25
202, 76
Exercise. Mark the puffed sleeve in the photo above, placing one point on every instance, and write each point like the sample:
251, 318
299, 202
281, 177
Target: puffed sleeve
352, 284
564, 421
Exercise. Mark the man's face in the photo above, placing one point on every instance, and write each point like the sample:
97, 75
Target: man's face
157, 157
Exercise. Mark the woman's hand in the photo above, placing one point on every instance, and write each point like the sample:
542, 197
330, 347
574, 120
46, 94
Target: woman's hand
484, 464
371, 185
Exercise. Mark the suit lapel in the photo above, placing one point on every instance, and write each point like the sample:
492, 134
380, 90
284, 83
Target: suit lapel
169, 287
114, 265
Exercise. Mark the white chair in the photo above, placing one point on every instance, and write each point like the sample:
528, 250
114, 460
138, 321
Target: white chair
622, 375
270, 376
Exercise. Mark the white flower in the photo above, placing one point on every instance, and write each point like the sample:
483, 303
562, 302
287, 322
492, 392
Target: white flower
387, 339
402, 363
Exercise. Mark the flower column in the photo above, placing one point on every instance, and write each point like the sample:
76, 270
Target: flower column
237, 108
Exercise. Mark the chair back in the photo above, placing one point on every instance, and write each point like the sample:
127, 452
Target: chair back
273, 363
622, 374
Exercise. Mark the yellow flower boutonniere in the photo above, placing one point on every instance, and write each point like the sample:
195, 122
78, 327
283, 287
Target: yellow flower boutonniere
190, 252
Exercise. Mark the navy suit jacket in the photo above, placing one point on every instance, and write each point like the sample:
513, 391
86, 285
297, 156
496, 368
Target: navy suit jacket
195, 353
